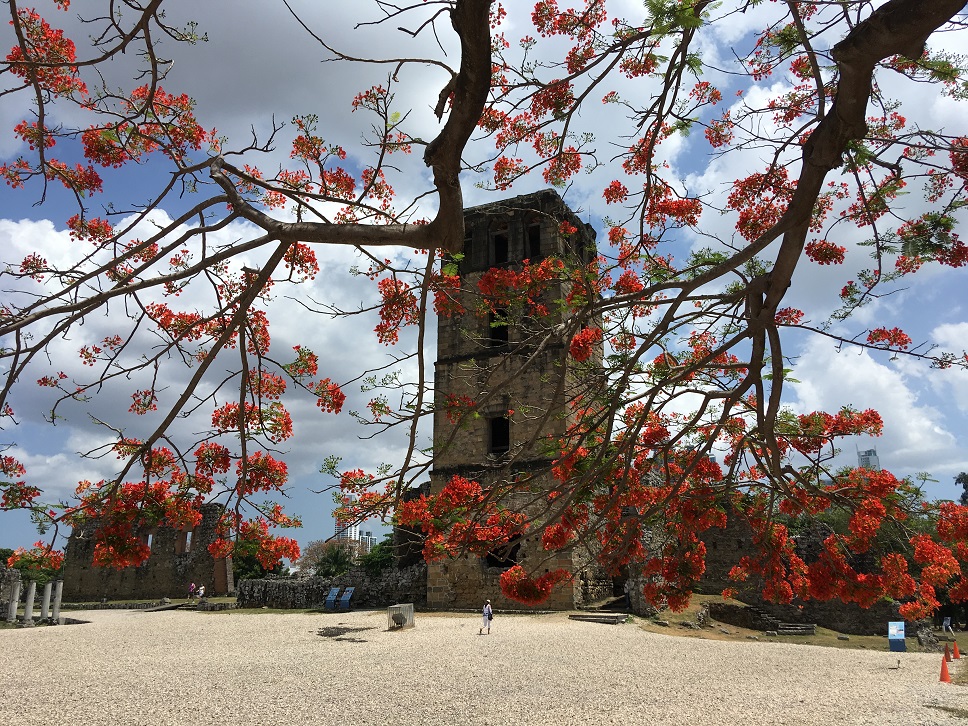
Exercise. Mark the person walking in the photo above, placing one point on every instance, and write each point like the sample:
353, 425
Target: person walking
201, 592
191, 591
488, 615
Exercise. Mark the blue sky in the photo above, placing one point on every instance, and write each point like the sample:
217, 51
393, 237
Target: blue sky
257, 64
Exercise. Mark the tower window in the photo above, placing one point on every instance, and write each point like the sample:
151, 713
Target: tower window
499, 243
497, 328
534, 241
499, 435
183, 544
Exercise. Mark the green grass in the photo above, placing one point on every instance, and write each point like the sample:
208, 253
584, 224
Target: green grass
823, 637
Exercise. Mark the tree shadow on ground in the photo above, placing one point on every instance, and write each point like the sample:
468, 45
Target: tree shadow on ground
337, 632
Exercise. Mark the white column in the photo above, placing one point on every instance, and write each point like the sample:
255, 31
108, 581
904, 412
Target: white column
45, 602
14, 601
58, 591
29, 604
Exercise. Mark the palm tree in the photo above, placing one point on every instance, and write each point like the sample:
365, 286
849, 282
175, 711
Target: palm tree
962, 479
334, 561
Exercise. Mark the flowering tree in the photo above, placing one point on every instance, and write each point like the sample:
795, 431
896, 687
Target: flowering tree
695, 360
38, 563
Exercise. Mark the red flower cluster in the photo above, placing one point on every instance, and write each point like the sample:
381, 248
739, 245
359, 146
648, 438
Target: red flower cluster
819, 428
272, 420
517, 585
260, 472
502, 287
15, 494
398, 309
47, 57
448, 529
760, 200
893, 338
329, 397
40, 557
305, 365
584, 343
254, 536
825, 253
143, 402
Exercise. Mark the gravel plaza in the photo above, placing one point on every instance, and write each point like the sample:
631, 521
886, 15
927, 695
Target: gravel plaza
127, 667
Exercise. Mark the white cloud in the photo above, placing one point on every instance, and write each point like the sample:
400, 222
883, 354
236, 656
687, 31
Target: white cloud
919, 435
251, 70
952, 383
345, 346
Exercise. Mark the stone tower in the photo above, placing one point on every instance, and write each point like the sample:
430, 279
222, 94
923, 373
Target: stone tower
517, 371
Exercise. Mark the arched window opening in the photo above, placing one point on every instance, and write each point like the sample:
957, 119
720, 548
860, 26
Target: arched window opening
499, 246
497, 328
183, 545
534, 241
498, 435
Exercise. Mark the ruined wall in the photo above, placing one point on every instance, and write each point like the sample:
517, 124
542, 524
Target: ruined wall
391, 587
173, 564
8, 576
836, 615
724, 547
465, 582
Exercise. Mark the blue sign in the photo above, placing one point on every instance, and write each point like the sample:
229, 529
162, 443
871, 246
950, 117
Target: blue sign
895, 636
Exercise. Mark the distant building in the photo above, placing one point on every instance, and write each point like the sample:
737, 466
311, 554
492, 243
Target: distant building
367, 542
346, 531
868, 460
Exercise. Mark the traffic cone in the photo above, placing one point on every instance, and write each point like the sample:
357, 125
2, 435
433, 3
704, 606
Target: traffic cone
945, 676
956, 655
947, 653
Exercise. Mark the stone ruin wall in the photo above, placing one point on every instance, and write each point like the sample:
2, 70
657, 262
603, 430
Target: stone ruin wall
8, 575
177, 559
391, 587
724, 548
466, 581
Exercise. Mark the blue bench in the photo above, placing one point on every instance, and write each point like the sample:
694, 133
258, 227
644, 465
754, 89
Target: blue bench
344, 601
330, 603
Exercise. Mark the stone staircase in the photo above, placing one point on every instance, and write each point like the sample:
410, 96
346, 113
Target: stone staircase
610, 605
207, 606
752, 617
770, 624
796, 629
599, 617
610, 611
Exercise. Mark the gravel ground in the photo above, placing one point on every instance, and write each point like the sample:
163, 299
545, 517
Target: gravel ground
171, 668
